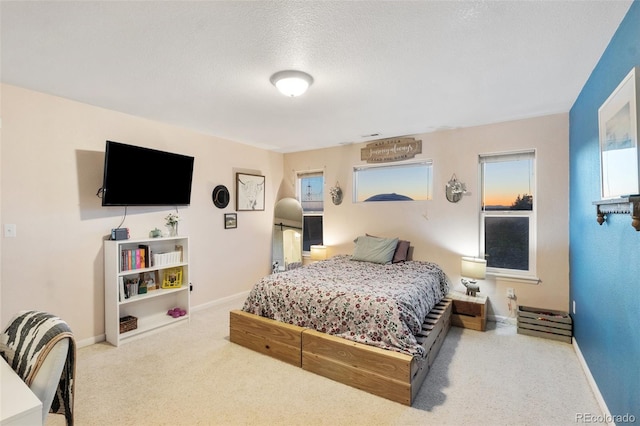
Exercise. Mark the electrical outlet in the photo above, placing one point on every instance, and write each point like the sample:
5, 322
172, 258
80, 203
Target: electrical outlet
10, 230
510, 293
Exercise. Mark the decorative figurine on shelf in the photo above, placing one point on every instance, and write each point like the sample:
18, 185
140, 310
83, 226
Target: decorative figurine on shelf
472, 287
155, 233
172, 223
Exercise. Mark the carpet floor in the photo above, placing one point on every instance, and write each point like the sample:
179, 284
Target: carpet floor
192, 375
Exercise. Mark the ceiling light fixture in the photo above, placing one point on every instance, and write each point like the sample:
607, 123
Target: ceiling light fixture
291, 83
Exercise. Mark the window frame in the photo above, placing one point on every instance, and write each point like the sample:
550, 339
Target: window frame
530, 214
398, 165
299, 194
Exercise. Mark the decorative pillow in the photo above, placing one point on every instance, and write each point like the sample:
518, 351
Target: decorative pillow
374, 249
402, 250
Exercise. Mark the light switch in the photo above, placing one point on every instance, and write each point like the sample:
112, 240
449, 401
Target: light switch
10, 230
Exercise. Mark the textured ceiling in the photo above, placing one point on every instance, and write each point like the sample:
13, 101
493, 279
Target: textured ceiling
389, 68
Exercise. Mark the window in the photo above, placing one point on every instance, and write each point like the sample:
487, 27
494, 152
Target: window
397, 182
508, 222
311, 196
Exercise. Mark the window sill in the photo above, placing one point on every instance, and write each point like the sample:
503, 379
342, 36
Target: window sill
523, 279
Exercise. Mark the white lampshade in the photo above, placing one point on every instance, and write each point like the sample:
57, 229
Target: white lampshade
318, 252
291, 83
472, 267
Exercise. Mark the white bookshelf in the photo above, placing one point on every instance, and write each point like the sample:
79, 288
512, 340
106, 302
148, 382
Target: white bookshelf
150, 308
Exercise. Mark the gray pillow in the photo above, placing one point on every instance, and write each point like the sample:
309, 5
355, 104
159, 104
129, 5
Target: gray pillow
402, 251
374, 249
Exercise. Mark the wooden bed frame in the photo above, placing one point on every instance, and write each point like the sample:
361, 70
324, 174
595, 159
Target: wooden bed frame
389, 374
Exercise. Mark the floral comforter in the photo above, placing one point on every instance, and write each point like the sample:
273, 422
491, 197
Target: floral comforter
378, 305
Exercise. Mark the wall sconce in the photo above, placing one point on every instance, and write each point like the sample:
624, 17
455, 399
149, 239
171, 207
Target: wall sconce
475, 269
336, 194
455, 189
318, 252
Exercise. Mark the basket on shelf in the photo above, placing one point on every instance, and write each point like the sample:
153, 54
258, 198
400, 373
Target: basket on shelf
172, 278
128, 323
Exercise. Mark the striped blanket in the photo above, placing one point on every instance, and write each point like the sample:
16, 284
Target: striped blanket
25, 345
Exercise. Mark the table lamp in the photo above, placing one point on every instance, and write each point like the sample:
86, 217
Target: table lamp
472, 269
318, 252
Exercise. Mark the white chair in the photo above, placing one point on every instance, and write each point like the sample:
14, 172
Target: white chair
45, 382
19, 337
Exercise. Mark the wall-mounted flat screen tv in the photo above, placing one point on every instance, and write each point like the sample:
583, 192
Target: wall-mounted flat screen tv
136, 176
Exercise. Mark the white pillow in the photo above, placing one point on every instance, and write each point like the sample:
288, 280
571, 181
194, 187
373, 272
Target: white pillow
374, 249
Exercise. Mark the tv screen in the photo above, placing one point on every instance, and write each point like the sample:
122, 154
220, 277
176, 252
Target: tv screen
136, 176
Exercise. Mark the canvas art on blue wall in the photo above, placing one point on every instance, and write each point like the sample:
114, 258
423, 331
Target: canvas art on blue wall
618, 126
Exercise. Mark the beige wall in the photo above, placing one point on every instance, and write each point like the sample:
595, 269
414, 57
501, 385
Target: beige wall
52, 163
442, 231
52, 157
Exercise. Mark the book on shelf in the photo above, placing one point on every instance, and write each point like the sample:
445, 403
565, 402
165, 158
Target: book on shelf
121, 294
145, 254
131, 285
132, 259
141, 283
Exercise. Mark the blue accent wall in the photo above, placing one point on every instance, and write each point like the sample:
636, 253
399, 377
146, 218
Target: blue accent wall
604, 260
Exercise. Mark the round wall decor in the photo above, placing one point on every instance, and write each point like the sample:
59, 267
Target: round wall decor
220, 196
455, 189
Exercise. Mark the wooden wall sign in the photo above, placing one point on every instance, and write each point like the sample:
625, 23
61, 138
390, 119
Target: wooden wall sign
387, 150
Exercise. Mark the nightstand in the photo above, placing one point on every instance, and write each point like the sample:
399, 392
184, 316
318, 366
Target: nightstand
469, 311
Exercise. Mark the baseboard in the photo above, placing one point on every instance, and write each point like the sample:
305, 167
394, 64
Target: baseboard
592, 384
238, 297
502, 319
90, 341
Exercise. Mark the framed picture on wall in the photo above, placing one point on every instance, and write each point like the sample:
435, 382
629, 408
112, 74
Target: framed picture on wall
230, 220
618, 133
249, 192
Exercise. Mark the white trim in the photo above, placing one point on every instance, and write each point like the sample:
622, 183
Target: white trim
301, 174
592, 383
483, 159
427, 164
395, 164
507, 156
523, 279
91, 341
238, 297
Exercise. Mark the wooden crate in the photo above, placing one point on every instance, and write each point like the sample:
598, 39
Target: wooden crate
545, 323
276, 339
392, 375
469, 311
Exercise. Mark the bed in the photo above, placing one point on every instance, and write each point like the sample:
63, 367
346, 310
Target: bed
373, 325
